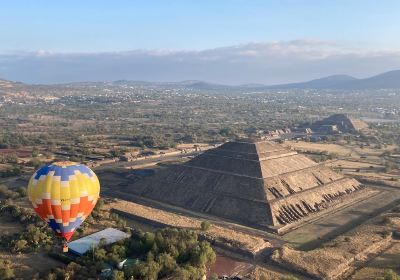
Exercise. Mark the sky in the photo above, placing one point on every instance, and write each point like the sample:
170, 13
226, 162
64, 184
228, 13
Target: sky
221, 41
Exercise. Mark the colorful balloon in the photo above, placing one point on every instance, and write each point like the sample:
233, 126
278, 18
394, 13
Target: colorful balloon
63, 194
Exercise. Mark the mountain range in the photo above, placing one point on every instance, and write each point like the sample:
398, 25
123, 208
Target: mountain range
387, 80
382, 81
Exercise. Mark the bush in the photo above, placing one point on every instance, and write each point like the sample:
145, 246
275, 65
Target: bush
118, 275
396, 234
214, 277
6, 272
205, 225
288, 277
169, 252
386, 220
391, 275
14, 170
22, 191
35, 162
7, 193
33, 237
19, 245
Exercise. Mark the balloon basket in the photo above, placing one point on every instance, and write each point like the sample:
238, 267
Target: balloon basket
65, 248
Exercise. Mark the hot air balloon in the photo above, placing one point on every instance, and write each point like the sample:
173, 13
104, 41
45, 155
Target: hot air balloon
63, 194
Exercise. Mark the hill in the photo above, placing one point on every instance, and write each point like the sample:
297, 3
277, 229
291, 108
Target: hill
4, 84
326, 82
383, 81
387, 80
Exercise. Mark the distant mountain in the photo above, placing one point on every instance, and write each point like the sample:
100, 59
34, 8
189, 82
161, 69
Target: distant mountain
327, 82
386, 80
189, 84
7, 85
383, 81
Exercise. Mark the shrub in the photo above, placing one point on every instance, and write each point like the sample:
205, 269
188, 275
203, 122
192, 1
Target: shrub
391, 275
205, 225
35, 162
288, 277
118, 275
19, 245
22, 191
386, 220
214, 277
7, 193
6, 272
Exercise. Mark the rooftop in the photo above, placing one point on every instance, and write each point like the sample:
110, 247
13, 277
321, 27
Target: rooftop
84, 244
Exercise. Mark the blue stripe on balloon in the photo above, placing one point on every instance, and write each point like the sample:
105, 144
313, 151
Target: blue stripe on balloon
42, 171
54, 225
63, 172
64, 229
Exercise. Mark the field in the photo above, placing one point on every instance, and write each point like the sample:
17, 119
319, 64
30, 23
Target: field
252, 244
316, 147
244, 250
30, 264
352, 221
127, 132
8, 226
373, 269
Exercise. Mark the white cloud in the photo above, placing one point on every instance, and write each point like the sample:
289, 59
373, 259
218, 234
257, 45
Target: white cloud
269, 63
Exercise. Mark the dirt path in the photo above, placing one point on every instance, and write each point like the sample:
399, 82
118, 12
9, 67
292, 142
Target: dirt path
272, 238
312, 235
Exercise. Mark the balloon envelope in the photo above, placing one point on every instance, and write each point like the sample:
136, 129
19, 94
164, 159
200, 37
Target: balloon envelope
64, 194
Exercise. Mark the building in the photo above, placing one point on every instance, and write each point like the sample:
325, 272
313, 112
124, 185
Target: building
84, 244
257, 183
339, 123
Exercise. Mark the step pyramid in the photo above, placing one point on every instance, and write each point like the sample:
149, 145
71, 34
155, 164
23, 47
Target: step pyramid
258, 183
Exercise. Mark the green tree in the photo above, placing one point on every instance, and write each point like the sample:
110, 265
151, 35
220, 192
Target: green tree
51, 276
20, 245
203, 255
116, 253
22, 191
35, 152
146, 271
214, 276
167, 264
118, 275
189, 273
100, 254
205, 225
391, 275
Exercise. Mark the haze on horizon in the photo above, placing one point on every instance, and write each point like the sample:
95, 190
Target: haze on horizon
227, 41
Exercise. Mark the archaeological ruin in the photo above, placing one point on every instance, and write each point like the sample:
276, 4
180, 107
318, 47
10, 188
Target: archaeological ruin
339, 123
258, 183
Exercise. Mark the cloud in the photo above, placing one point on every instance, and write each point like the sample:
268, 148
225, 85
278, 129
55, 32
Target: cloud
268, 63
